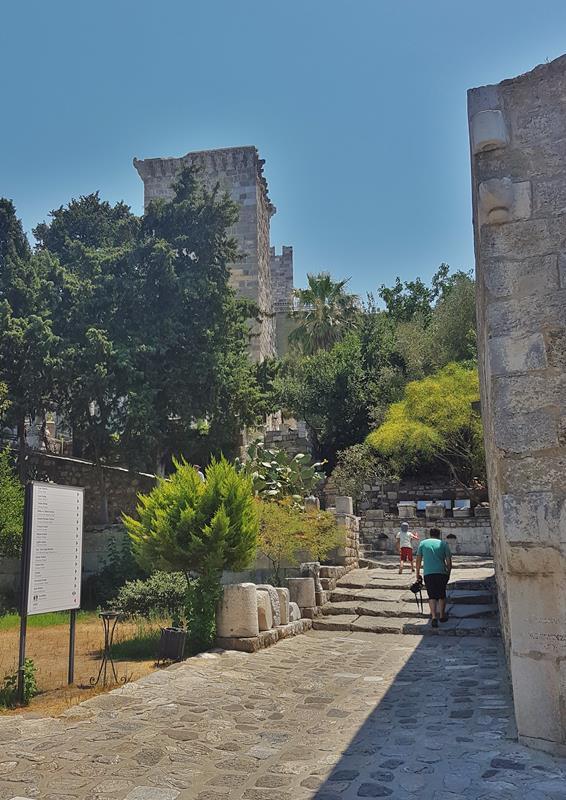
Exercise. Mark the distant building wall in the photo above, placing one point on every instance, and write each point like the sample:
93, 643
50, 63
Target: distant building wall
518, 153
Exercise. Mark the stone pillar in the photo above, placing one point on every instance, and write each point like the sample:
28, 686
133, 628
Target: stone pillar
518, 153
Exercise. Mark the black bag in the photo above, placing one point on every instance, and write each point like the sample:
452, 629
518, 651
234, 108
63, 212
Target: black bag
417, 590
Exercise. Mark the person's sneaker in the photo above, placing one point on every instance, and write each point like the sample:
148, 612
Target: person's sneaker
434, 623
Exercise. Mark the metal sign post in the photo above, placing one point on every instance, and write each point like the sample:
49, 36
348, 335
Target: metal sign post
51, 561
24, 588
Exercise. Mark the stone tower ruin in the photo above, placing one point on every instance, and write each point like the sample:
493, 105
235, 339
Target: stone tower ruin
239, 170
518, 153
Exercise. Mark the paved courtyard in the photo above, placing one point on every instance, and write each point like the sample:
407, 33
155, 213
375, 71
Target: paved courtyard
324, 716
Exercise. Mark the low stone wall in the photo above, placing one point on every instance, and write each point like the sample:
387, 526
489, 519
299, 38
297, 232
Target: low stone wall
470, 536
122, 485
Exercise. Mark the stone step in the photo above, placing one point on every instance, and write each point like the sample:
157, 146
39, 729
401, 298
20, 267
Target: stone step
376, 559
406, 626
459, 596
404, 581
405, 609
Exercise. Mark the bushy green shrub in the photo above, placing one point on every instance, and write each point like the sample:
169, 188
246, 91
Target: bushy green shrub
119, 566
161, 595
11, 508
201, 528
286, 532
320, 534
279, 526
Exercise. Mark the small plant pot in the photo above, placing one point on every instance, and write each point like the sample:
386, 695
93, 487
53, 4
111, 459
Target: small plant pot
172, 644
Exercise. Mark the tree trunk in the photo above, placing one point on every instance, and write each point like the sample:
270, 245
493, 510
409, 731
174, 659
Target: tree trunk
102, 491
21, 430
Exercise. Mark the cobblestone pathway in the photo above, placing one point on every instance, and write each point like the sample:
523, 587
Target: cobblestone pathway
325, 716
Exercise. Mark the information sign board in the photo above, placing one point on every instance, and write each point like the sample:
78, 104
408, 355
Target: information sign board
55, 548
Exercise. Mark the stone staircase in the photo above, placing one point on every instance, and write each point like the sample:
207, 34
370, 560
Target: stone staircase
378, 600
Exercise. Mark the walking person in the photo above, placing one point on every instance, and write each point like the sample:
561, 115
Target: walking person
405, 539
436, 560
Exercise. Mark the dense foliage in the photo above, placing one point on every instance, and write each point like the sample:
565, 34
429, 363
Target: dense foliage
288, 533
200, 528
324, 313
163, 594
359, 469
11, 508
344, 388
436, 421
129, 327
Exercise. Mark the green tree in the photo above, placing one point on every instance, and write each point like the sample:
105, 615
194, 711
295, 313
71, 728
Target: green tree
407, 299
279, 528
325, 313
329, 390
358, 467
11, 508
320, 534
453, 323
152, 339
199, 528
27, 341
197, 381
89, 222
435, 421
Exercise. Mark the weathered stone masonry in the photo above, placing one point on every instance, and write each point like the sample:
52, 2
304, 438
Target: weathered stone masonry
239, 170
518, 152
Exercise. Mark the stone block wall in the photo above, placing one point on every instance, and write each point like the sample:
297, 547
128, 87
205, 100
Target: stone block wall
420, 487
518, 155
122, 485
292, 440
468, 536
239, 170
349, 555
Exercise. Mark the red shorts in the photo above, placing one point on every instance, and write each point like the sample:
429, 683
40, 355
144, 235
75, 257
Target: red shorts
406, 554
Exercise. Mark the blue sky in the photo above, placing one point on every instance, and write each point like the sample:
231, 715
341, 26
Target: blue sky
358, 107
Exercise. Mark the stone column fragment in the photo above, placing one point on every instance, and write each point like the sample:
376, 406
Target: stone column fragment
236, 615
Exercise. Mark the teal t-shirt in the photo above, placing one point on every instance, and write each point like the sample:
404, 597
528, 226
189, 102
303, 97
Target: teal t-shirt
433, 552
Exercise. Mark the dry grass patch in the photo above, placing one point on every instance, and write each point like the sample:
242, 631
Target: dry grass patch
48, 646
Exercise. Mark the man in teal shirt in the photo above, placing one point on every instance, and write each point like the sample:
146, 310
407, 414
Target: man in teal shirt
436, 559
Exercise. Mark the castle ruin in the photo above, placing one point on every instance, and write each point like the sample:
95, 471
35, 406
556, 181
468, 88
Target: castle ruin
261, 276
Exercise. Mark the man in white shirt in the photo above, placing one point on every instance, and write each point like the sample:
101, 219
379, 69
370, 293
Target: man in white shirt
405, 539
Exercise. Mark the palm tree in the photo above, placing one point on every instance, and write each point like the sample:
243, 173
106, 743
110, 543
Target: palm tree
325, 313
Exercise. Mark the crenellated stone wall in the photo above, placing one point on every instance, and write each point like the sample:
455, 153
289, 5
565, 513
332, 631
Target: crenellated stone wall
518, 155
239, 170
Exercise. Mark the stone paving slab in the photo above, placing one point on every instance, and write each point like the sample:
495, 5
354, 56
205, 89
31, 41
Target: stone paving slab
378, 624
324, 716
